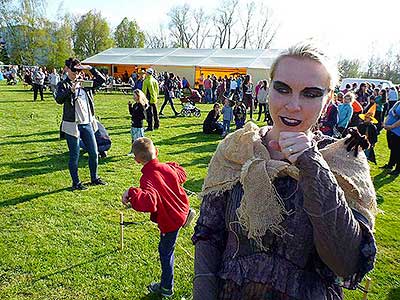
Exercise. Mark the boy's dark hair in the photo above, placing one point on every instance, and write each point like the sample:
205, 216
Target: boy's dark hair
143, 149
71, 63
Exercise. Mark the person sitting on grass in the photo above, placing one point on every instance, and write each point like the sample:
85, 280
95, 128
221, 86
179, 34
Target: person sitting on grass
161, 194
211, 123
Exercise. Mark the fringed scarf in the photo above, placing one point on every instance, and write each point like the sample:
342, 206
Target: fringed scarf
241, 156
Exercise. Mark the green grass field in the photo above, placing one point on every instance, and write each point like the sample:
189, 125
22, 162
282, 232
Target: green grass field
58, 244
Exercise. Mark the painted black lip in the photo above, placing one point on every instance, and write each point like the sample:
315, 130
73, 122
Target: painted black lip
298, 122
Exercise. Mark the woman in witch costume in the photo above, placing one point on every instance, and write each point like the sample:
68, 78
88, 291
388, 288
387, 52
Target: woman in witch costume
285, 213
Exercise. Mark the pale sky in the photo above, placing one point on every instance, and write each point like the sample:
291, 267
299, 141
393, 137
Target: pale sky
352, 29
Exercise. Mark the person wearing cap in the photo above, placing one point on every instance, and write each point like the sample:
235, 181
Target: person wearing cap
78, 119
151, 89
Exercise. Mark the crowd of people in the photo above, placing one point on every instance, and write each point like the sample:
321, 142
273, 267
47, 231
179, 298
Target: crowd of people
370, 108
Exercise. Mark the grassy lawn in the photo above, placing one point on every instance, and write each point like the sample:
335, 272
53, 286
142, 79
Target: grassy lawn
58, 244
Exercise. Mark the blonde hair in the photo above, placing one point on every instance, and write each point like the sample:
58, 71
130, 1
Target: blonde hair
308, 49
144, 150
141, 98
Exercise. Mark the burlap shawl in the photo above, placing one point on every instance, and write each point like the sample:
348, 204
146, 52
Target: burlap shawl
241, 156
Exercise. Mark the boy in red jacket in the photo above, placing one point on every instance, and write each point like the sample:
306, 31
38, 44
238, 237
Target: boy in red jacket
161, 194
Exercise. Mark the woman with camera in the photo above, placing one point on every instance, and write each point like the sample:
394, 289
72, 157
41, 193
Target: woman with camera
78, 120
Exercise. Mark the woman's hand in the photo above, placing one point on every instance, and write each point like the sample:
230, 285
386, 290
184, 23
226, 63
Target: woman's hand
355, 141
292, 144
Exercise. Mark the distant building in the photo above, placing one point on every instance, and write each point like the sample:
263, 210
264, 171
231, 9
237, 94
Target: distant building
189, 63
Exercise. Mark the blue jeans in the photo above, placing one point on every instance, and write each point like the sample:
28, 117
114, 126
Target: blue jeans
226, 125
136, 133
208, 95
87, 136
166, 249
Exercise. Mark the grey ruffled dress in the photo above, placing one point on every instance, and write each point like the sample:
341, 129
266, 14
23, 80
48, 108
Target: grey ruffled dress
326, 245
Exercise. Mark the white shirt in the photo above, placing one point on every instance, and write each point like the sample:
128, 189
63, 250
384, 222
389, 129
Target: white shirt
82, 110
54, 78
262, 96
233, 85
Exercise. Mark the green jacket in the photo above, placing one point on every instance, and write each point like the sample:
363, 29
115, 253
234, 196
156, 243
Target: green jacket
150, 89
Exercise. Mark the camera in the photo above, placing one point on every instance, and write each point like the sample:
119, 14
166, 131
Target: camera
87, 83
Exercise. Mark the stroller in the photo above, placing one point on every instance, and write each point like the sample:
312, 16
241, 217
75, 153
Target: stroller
189, 108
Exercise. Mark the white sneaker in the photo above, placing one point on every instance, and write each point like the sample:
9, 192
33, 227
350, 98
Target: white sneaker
190, 217
130, 154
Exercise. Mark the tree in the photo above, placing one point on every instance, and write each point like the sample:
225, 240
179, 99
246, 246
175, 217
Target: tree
23, 22
224, 20
349, 68
128, 35
91, 35
179, 26
61, 47
157, 40
202, 28
266, 29
4, 57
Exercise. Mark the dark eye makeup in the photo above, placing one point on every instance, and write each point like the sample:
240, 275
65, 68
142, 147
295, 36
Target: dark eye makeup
308, 92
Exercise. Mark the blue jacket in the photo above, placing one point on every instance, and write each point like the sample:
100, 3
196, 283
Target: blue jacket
345, 113
227, 113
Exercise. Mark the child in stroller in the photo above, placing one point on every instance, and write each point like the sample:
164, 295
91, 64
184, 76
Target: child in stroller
189, 104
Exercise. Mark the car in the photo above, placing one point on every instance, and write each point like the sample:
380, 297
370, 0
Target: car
384, 83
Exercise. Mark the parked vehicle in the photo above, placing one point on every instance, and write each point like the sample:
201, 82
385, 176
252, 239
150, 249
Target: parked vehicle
384, 83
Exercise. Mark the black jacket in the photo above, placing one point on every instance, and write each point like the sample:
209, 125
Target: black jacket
138, 114
210, 123
65, 96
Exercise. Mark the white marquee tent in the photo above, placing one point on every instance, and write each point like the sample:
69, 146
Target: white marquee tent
188, 62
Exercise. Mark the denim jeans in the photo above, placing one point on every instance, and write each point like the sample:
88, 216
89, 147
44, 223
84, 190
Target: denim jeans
87, 136
166, 249
226, 124
168, 99
208, 95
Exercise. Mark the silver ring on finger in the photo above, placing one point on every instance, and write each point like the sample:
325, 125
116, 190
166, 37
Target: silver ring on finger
290, 150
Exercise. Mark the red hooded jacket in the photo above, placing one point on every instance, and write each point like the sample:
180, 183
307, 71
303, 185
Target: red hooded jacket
161, 194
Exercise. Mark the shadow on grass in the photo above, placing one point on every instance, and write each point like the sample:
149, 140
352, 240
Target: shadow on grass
152, 297
49, 164
186, 125
26, 198
383, 179
190, 138
201, 162
34, 134
198, 149
83, 263
394, 294
16, 101
194, 185
49, 140
23, 169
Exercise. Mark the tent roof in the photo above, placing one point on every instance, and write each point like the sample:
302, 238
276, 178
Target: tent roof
224, 58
